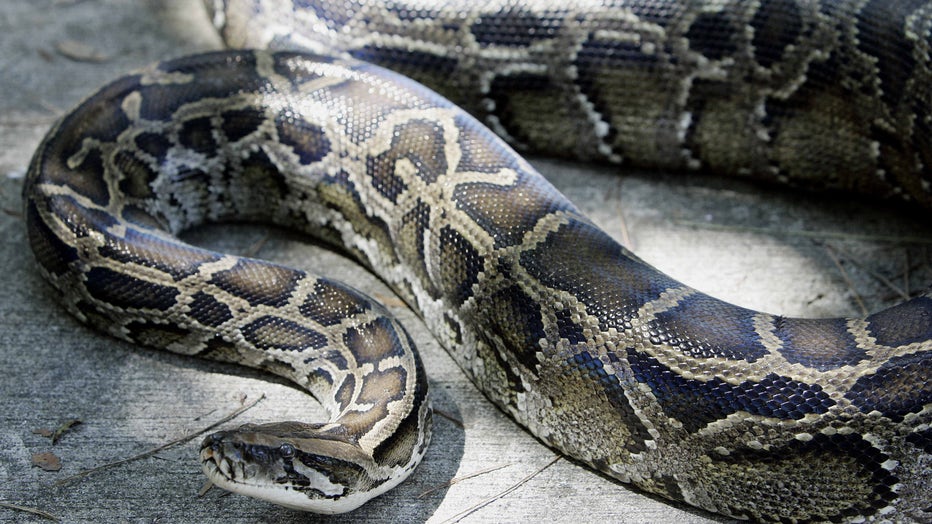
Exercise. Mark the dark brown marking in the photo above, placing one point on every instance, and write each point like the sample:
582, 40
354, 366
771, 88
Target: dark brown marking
258, 282
703, 327
901, 386
51, 252
270, 332
306, 139
381, 387
821, 468
128, 292
237, 124
584, 261
374, 341
136, 175
822, 344
421, 142
344, 394
142, 248
509, 212
461, 265
906, 323
197, 134
331, 303
209, 311
156, 335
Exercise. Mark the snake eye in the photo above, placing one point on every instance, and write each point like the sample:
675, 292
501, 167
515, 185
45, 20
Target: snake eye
286, 450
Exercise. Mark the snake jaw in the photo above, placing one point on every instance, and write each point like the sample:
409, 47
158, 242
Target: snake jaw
301, 471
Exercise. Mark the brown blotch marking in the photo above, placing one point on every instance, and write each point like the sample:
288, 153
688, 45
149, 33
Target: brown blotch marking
397, 450
154, 144
813, 473
237, 124
79, 219
258, 282
51, 252
129, 292
518, 102
420, 142
344, 395
296, 68
461, 265
515, 319
365, 119
87, 178
507, 213
822, 344
270, 332
137, 175
306, 139
208, 311
101, 116
139, 247
220, 350
374, 341
331, 303
381, 387
197, 135
142, 218
156, 335
906, 323
410, 242
901, 386
266, 185
704, 327
378, 388
584, 261
777, 25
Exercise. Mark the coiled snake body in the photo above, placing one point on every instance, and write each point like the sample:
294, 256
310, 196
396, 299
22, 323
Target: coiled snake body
595, 352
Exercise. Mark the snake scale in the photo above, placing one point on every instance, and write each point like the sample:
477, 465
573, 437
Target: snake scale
599, 355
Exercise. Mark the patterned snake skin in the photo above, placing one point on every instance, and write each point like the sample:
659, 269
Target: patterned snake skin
599, 355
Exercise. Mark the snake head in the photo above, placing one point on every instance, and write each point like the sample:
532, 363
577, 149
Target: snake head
300, 466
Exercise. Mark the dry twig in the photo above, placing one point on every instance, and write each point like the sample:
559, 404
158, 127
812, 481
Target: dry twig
26, 509
457, 480
163, 447
465, 513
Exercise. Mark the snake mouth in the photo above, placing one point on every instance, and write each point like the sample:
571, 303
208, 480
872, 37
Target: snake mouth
221, 469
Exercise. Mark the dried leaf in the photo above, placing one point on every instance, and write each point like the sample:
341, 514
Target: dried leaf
48, 461
43, 432
80, 51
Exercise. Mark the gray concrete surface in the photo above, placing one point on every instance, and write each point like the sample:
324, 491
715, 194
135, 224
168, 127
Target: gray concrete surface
765, 248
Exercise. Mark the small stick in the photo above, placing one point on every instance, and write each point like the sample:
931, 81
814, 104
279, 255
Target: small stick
451, 418
844, 275
457, 480
25, 509
906, 289
163, 447
463, 514
257, 246
883, 280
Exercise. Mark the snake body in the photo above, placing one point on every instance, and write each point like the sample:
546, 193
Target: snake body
596, 353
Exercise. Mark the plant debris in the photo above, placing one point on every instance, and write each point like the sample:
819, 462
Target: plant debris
48, 461
58, 432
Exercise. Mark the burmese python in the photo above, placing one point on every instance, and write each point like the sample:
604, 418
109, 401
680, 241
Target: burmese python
596, 353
